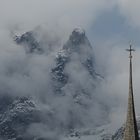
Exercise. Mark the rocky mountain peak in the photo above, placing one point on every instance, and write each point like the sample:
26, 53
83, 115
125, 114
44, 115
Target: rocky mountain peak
77, 52
76, 40
29, 41
77, 37
78, 32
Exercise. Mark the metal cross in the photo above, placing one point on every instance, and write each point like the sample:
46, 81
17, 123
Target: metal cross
130, 50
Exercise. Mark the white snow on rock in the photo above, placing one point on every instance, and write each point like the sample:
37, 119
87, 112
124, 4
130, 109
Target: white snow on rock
79, 30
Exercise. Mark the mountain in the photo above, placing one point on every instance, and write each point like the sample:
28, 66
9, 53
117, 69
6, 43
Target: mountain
72, 106
16, 117
29, 41
76, 51
38, 41
16, 120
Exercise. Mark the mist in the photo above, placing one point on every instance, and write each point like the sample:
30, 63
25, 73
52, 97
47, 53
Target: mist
24, 74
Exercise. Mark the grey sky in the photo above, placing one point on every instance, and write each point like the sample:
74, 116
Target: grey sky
102, 19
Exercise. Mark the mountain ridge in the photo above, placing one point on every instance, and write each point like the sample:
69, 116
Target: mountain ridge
73, 104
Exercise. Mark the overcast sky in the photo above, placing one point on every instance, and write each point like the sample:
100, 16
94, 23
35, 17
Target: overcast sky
102, 19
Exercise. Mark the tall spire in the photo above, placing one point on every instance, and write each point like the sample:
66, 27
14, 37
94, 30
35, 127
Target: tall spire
131, 130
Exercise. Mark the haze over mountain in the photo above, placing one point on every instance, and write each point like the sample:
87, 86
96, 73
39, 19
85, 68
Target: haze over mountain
63, 100
48, 67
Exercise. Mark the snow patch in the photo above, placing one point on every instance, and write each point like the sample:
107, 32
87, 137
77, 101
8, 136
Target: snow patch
79, 31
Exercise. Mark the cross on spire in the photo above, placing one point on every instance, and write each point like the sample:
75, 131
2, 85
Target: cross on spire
130, 50
131, 129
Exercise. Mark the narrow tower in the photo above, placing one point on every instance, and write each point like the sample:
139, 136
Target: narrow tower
131, 130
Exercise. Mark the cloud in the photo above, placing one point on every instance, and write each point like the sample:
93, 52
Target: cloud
130, 10
61, 17
61, 13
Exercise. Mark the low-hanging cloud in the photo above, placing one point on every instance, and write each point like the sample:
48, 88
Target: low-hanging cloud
29, 74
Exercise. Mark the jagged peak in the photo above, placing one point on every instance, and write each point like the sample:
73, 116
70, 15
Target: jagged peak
77, 36
79, 31
77, 41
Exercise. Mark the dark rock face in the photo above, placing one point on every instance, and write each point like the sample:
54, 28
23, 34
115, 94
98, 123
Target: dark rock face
20, 114
78, 37
29, 41
16, 118
77, 42
58, 74
119, 134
